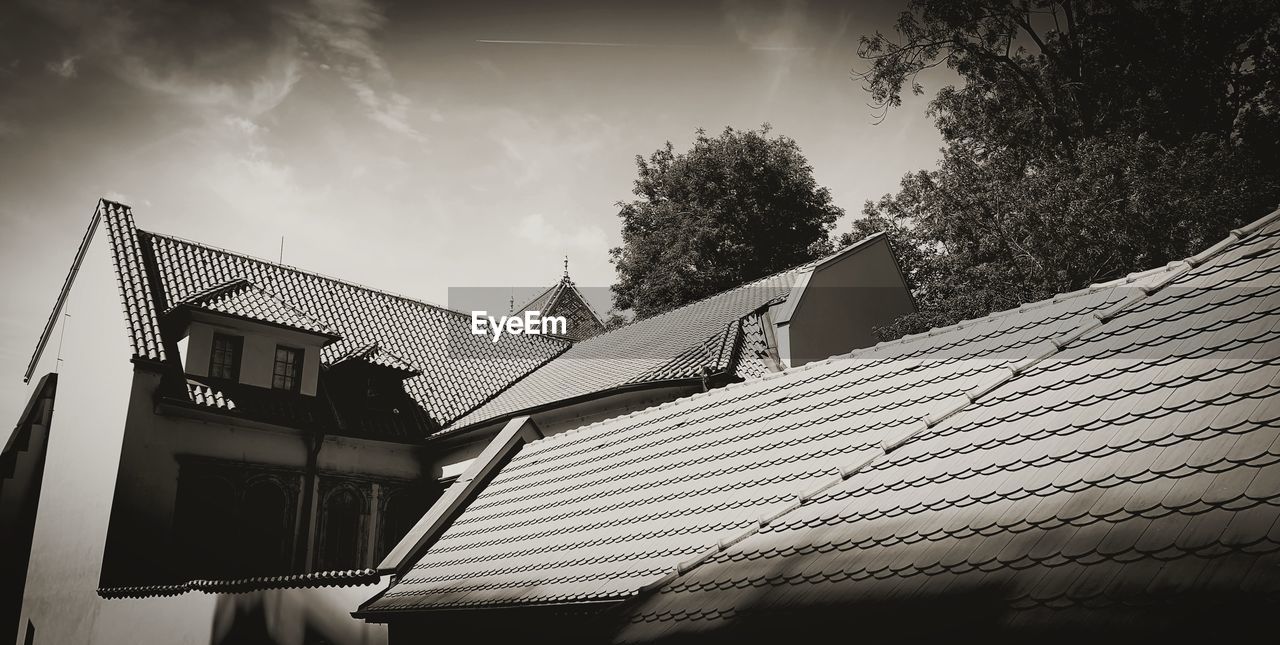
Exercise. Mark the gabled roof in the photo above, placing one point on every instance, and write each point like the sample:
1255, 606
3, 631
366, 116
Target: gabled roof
928, 442
680, 345
459, 370
560, 293
242, 298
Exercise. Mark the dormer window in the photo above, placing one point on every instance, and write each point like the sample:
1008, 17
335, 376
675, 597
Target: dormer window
287, 373
224, 360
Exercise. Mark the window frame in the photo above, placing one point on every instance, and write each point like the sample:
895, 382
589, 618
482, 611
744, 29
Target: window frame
237, 353
300, 355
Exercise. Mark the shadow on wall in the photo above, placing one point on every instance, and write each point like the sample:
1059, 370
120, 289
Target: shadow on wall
284, 617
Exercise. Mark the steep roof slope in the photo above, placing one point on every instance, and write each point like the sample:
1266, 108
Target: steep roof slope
459, 370
1137, 468
606, 511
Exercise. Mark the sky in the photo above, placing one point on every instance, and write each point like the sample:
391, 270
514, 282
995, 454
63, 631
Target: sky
409, 146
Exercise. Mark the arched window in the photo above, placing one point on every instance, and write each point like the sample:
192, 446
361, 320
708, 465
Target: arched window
264, 529
342, 530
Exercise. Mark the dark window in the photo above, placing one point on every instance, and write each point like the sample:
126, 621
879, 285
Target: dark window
287, 374
224, 361
264, 526
340, 532
208, 522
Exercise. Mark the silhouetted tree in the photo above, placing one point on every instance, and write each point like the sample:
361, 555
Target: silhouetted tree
1086, 141
734, 208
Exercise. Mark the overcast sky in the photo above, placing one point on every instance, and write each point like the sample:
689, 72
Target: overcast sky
402, 145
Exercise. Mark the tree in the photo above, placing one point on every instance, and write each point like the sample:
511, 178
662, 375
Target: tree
1086, 141
734, 208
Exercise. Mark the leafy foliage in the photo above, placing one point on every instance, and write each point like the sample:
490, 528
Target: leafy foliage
1087, 141
734, 208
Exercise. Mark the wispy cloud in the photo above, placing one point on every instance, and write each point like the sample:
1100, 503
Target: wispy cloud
243, 59
66, 68
342, 34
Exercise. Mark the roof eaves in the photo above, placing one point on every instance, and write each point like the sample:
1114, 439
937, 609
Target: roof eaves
351, 578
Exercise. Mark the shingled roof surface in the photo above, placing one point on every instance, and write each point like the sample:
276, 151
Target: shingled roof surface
244, 299
607, 511
1138, 467
459, 370
668, 347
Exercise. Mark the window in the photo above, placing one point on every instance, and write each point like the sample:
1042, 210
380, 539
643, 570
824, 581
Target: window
287, 373
224, 361
341, 529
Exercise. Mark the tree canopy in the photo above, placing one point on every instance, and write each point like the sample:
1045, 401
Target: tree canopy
735, 207
1086, 140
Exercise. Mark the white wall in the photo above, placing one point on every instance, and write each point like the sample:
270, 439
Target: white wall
258, 354
87, 430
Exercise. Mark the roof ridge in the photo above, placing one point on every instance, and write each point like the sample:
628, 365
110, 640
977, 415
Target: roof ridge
317, 274
1006, 375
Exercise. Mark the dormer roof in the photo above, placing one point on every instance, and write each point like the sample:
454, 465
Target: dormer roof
241, 298
373, 354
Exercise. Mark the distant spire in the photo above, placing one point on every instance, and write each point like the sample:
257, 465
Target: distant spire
511, 305
566, 268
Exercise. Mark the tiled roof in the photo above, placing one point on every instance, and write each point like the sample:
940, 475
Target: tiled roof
625, 505
351, 578
459, 370
375, 355
258, 404
244, 299
1139, 464
132, 277
678, 344
539, 302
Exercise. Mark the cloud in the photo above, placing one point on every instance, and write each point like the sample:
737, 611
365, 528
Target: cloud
242, 57
341, 33
772, 28
66, 68
535, 228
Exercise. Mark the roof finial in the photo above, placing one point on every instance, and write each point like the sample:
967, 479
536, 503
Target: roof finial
511, 304
566, 268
